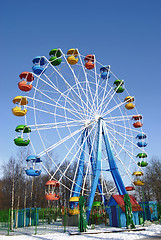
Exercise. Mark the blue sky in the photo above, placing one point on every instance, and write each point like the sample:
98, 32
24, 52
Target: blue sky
124, 34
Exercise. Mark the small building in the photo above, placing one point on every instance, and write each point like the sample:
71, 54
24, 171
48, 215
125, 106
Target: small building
149, 210
116, 211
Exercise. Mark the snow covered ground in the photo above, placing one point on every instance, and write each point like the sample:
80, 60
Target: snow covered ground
152, 230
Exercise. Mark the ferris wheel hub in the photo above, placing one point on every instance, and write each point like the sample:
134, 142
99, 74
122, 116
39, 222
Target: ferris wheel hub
97, 117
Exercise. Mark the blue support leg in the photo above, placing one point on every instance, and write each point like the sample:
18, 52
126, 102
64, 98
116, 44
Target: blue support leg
93, 164
79, 177
97, 170
113, 167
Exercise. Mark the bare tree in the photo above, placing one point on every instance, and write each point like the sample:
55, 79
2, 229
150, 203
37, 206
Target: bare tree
152, 187
153, 179
19, 186
26, 182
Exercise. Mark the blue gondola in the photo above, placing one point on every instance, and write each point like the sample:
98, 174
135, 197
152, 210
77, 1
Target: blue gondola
105, 72
32, 172
33, 160
142, 144
141, 136
39, 63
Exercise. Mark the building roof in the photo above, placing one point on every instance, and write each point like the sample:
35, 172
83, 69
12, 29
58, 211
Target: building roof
120, 201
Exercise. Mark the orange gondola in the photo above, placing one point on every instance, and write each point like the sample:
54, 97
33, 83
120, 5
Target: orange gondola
25, 84
137, 117
51, 191
130, 188
137, 124
27, 75
89, 59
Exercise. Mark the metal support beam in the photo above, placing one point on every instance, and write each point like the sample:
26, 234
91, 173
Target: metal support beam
112, 163
93, 164
97, 170
96, 166
80, 173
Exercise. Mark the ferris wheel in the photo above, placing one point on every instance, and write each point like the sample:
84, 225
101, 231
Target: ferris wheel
77, 108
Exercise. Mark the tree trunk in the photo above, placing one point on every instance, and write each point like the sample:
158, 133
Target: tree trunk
31, 200
19, 193
12, 200
25, 202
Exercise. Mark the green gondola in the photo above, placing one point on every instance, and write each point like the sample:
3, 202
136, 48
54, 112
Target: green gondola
119, 89
23, 128
142, 164
55, 57
119, 82
142, 155
119, 86
21, 142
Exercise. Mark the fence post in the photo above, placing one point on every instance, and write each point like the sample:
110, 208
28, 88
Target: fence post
9, 221
22, 213
36, 223
158, 211
145, 210
64, 219
119, 216
144, 205
142, 213
93, 220
24, 218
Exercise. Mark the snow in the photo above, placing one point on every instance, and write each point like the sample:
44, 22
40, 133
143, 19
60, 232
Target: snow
152, 230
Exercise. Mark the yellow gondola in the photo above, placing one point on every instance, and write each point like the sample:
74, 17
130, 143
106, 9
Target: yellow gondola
129, 106
21, 101
72, 60
17, 111
138, 173
74, 207
74, 199
139, 183
129, 100
73, 211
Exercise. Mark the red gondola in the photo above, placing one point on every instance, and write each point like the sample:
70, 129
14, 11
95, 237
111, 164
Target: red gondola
51, 191
27, 75
137, 124
137, 117
89, 59
130, 188
24, 84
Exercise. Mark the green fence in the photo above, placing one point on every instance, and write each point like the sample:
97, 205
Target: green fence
4, 221
32, 221
40, 221
99, 216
